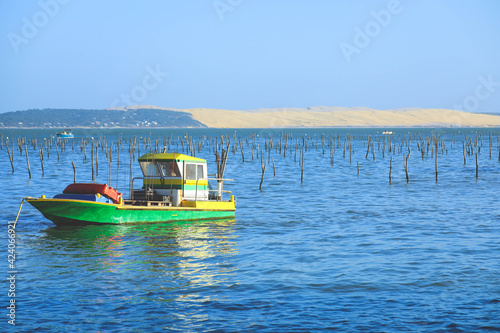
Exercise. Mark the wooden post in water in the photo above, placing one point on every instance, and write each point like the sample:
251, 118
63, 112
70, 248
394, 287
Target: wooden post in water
302, 166
350, 153
332, 161
131, 149
373, 150
221, 166
383, 148
10, 156
274, 168
269, 147
436, 143
368, 150
390, 171
463, 146
46, 145
19, 145
108, 166
296, 148
286, 145
477, 166
358, 168
491, 144
323, 143
125, 172
41, 162
27, 161
57, 150
263, 166
241, 149
74, 172
92, 159
406, 165
97, 161
281, 139
345, 140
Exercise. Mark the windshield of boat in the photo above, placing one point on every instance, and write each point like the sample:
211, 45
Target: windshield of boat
160, 169
168, 169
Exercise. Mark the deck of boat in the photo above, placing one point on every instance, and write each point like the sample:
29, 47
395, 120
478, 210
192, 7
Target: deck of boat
147, 203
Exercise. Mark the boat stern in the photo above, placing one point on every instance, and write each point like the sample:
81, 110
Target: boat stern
212, 204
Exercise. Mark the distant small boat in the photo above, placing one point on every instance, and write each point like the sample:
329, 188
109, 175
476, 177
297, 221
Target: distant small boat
66, 134
387, 132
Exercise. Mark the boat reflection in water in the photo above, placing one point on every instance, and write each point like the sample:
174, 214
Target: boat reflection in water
158, 262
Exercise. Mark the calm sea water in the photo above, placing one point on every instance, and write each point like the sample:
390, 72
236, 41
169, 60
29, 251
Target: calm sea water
341, 251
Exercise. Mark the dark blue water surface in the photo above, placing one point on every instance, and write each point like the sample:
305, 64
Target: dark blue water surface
341, 251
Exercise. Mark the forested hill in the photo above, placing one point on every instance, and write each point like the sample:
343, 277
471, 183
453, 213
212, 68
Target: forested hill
74, 118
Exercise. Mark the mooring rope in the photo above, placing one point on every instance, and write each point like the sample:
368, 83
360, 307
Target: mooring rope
19, 211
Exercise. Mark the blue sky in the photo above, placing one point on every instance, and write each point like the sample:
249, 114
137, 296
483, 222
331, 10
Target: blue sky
247, 54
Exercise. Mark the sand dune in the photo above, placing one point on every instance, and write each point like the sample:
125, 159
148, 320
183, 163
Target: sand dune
325, 116
341, 117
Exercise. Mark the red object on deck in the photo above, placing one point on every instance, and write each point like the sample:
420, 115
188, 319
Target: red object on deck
91, 188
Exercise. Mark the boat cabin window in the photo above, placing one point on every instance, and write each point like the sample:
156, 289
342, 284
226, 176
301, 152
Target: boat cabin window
160, 168
194, 171
199, 171
169, 169
190, 171
149, 169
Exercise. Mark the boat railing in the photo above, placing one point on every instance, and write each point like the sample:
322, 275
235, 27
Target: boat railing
218, 191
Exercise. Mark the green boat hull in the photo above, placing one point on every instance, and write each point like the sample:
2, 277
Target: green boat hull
80, 212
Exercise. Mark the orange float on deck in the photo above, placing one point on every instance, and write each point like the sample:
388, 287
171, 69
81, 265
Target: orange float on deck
92, 188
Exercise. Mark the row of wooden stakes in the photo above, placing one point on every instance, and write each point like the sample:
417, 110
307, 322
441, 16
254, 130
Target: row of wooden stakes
430, 145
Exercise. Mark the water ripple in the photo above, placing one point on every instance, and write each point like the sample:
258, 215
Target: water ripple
339, 252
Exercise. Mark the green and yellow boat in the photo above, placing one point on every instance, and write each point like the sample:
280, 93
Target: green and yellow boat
175, 187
